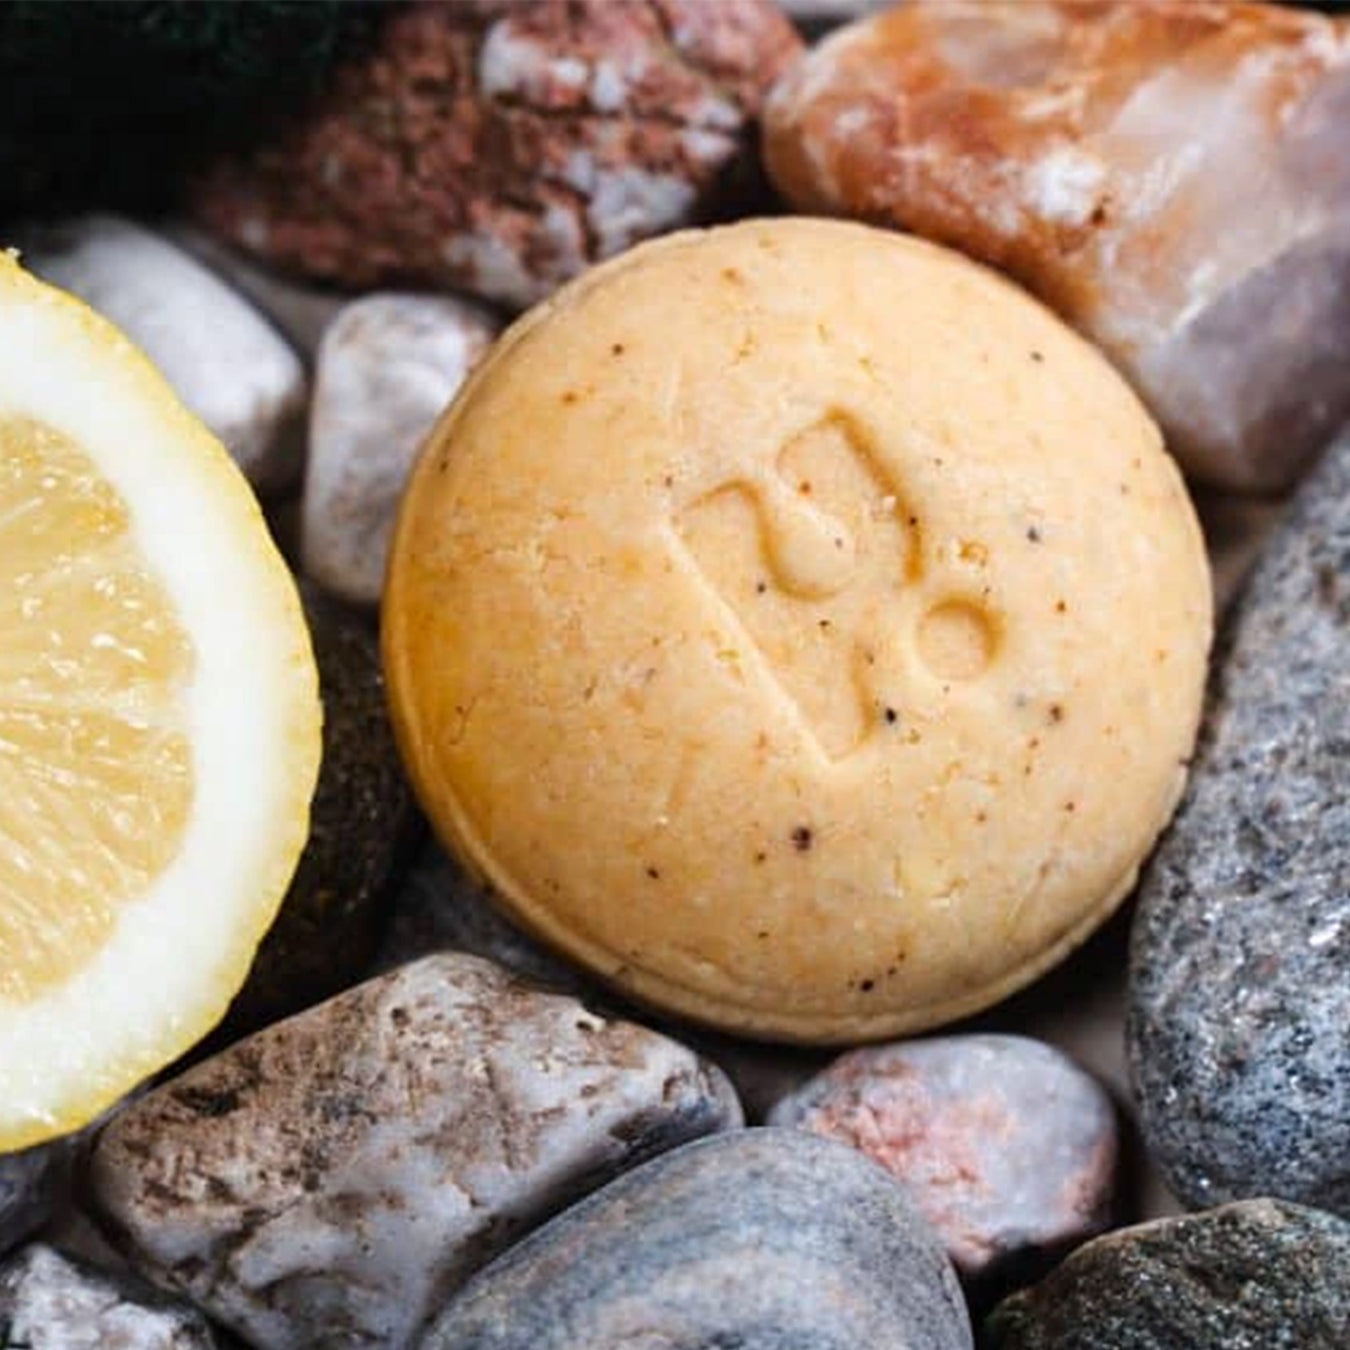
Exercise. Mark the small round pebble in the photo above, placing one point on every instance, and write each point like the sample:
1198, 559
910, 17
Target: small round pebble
1258, 1275
756, 1240
388, 367
1006, 1145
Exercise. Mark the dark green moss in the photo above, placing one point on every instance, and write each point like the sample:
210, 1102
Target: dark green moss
110, 102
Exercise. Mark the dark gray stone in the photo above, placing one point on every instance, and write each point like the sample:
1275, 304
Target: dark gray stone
28, 1186
49, 1301
363, 834
1240, 963
1259, 1275
760, 1240
1006, 1146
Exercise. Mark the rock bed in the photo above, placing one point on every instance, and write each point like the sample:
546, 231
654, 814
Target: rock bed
345, 1178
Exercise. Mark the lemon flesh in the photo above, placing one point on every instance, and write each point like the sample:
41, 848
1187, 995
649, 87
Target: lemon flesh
159, 719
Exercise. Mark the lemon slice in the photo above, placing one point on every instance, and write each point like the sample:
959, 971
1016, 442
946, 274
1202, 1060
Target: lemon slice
159, 718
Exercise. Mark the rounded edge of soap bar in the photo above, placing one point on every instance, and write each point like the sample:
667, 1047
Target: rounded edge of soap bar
648, 986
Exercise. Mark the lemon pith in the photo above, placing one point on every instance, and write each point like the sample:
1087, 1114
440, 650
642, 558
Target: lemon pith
159, 718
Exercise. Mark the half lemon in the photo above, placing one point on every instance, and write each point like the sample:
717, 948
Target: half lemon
159, 718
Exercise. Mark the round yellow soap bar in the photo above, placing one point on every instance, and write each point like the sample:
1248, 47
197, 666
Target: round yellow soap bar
800, 627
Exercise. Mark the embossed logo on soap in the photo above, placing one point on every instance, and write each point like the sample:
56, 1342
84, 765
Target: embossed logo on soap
809, 555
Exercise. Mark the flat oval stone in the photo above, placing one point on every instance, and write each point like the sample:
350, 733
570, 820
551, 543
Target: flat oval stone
1006, 1146
758, 1240
1240, 967
331, 1180
50, 1301
1259, 1275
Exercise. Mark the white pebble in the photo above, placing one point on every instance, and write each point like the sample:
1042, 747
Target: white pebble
388, 365
223, 359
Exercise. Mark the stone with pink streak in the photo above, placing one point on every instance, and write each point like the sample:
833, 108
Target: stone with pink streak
1007, 1146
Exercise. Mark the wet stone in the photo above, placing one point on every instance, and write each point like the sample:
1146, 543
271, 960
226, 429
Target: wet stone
758, 1240
1259, 1275
332, 1179
1240, 963
1005, 1145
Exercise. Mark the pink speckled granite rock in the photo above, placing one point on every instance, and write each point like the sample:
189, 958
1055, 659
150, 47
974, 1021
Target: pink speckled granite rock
331, 1180
1006, 1146
1173, 176
500, 148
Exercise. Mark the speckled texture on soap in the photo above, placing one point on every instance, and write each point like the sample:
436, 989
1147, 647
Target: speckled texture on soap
1259, 1275
1240, 970
758, 1240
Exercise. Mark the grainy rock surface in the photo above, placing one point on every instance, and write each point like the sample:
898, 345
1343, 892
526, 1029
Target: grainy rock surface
1169, 174
223, 359
331, 1180
1240, 967
1007, 1147
363, 833
758, 1240
50, 1302
500, 148
388, 367
27, 1190
1260, 1275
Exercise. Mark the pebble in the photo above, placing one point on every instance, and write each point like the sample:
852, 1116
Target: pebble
28, 1185
49, 1301
222, 358
500, 150
299, 312
332, 1179
1006, 1146
1240, 964
757, 1240
388, 367
1170, 176
1259, 1275
364, 831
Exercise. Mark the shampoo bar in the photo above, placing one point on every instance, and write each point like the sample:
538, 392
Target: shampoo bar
800, 627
